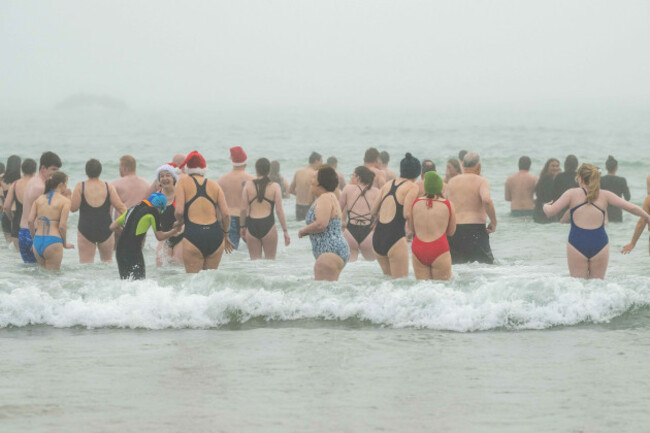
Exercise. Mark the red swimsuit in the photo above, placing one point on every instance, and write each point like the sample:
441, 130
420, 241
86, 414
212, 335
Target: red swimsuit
428, 252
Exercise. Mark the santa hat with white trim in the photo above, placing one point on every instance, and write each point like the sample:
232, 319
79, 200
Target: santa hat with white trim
238, 156
195, 163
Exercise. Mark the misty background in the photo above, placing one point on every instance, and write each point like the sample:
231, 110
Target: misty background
325, 54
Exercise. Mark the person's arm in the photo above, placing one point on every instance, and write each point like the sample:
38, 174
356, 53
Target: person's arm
245, 208
508, 193
116, 202
9, 201
179, 196
31, 221
488, 206
286, 188
322, 213
222, 208
626, 190
341, 182
553, 207
614, 200
410, 197
75, 200
381, 178
292, 187
63, 224
451, 228
279, 211
118, 223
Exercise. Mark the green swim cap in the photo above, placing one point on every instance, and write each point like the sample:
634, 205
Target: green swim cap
432, 183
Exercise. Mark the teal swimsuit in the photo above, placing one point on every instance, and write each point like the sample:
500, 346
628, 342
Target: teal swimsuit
41, 242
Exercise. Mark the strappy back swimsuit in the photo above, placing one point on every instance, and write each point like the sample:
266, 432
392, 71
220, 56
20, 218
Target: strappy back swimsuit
207, 238
386, 235
588, 241
94, 222
41, 242
428, 252
260, 227
360, 231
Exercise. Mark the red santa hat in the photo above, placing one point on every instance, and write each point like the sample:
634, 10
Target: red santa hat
195, 163
238, 156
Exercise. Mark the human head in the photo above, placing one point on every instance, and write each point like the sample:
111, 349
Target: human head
611, 164
238, 156
58, 180
127, 165
50, 162
570, 164
365, 175
552, 168
409, 167
315, 158
432, 184
93, 168
327, 178
167, 170
472, 160
178, 159
589, 177
12, 170
263, 167
524, 163
371, 156
384, 157
333, 162
427, 166
195, 163
29, 167
453, 168
158, 200
461, 155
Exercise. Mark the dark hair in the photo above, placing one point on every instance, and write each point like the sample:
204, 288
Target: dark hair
384, 156
93, 168
29, 166
547, 166
365, 175
571, 164
55, 180
332, 161
456, 164
315, 157
49, 159
461, 155
428, 165
2, 167
611, 163
12, 171
274, 174
327, 178
262, 167
371, 155
524, 163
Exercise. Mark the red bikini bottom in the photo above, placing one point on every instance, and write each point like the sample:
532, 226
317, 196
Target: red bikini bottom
428, 252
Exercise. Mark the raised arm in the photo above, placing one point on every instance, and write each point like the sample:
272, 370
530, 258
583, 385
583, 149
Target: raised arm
614, 200
552, 208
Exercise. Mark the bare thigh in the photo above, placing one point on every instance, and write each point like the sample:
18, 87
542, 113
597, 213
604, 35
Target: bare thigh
270, 243
328, 267
352, 243
192, 258
441, 267
254, 246
53, 256
106, 249
213, 260
578, 264
366, 247
598, 263
86, 249
422, 271
398, 256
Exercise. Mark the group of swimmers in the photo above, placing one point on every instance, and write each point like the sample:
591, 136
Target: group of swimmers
195, 219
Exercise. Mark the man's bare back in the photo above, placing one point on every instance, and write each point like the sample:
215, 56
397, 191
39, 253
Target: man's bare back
131, 189
520, 190
468, 192
34, 189
301, 185
232, 184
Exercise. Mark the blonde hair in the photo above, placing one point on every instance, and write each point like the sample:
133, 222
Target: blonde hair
128, 163
591, 178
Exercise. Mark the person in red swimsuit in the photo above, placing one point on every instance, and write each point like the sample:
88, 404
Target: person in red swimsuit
432, 219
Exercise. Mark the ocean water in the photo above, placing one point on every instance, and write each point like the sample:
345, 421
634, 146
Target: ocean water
260, 346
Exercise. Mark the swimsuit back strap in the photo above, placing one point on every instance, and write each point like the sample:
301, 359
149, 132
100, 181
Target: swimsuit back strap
49, 197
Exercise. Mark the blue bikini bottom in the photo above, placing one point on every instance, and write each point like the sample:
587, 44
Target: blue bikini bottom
42, 242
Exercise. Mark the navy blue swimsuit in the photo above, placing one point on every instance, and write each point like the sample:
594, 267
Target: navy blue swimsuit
588, 241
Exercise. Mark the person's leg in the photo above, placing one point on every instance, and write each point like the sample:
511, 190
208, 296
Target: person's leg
422, 272
162, 253
398, 256
441, 267
40, 260
15, 242
106, 250
212, 261
352, 243
86, 249
192, 257
233, 232
328, 267
598, 264
270, 244
254, 246
578, 264
177, 254
384, 263
53, 255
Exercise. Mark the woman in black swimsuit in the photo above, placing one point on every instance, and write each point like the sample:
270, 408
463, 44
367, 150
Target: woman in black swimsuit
356, 202
10, 174
170, 250
260, 197
93, 199
389, 239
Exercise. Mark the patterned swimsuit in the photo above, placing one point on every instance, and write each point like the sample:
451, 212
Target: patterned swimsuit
330, 240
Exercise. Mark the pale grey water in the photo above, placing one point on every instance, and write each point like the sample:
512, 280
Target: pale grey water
518, 346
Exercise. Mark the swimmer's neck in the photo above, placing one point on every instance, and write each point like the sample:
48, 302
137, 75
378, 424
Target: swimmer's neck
472, 170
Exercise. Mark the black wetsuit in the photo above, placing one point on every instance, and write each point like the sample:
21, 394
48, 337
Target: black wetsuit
94, 222
207, 238
544, 194
167, 220
617, 185
386, 235
260, 227
128, 253
360, 231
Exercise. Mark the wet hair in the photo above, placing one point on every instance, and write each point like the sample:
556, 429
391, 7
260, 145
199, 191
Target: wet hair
93, 168
547, 167
274, 173
49, 159
471, 159
456, 164
428, 165
2, 167
332, 161
611, 164
315, 157
55, 180
12, 171
365, 175
524, 163
570, 164
29, 166
461, 155
327, 178
371, 155
128, 163
262, 167
384, 156
591, 178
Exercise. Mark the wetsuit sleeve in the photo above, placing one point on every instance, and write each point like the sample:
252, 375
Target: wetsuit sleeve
121, 219
148, 220
626, 191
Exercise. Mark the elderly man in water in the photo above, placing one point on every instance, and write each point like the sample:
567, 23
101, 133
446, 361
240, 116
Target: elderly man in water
520, 190
470, 194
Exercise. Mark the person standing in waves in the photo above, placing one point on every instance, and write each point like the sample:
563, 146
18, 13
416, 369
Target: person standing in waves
13, 206
588, 246
617, 185
356, 203
171, 249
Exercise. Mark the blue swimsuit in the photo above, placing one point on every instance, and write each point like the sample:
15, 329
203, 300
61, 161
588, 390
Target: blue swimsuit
329, 241
588, 241
43, 241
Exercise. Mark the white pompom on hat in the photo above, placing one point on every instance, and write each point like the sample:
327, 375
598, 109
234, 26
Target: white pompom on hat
168, 168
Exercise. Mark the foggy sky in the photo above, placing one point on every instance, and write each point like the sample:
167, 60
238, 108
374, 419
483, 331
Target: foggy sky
159, 54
